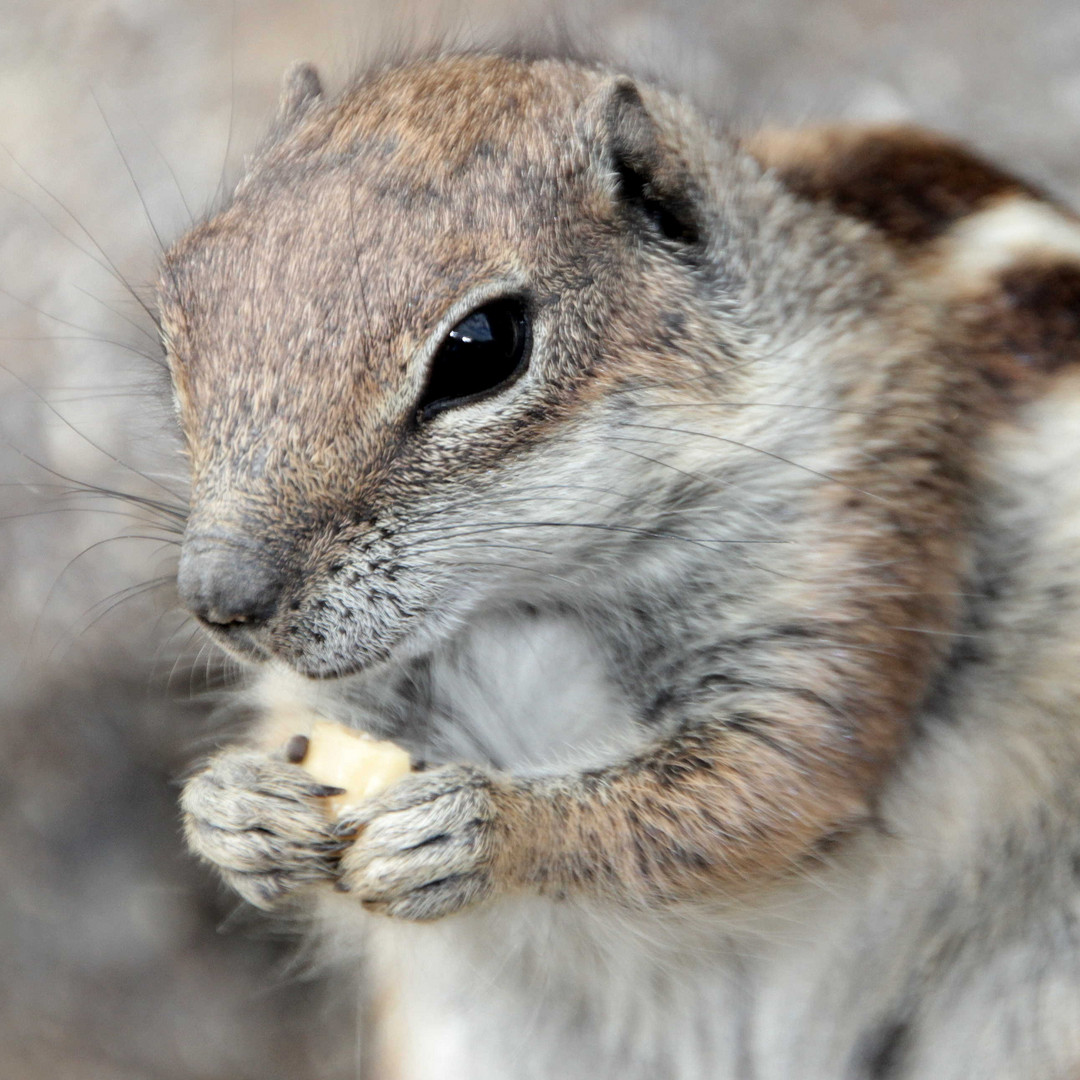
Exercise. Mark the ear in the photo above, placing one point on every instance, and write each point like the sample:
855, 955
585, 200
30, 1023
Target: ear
301, 88
651, 181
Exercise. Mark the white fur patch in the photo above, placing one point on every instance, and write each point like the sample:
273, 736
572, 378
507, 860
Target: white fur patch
986, 243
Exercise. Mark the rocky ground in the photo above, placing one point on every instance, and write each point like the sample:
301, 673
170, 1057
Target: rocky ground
121, 120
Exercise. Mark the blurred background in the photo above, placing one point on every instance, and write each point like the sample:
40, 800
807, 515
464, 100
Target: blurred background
120, 122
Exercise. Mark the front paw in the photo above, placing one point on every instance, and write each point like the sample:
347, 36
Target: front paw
262, 823
425, 848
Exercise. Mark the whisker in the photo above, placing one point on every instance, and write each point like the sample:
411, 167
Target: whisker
108, 265
232, 100
463, 564
130, 172
79, 394
49, 510
195, 629
155, 341
70, 563
757, 450
91, 338
168, 166
439, 546
487, 501
725, 404
174, 512
658, 534
713, 481
90, 335
82, 435
129, 591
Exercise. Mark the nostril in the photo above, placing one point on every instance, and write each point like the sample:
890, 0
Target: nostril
225, 583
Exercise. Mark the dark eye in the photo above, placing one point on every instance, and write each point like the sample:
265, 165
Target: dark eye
486, 351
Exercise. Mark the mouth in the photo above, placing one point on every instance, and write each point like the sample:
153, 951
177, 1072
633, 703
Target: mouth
240, 642
253, 646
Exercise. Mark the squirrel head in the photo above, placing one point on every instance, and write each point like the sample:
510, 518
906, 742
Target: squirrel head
486, 328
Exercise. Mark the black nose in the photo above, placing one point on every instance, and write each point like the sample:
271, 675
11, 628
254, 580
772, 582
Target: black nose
226, 583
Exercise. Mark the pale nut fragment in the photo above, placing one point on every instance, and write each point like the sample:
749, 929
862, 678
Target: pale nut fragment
343, 758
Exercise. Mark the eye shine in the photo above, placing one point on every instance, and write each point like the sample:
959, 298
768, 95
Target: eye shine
482, 354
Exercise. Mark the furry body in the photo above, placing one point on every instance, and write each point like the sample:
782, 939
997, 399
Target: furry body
741, 631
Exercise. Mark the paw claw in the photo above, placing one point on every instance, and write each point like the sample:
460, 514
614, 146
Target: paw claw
323, 791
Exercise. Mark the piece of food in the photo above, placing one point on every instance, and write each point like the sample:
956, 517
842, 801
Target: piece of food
343, 758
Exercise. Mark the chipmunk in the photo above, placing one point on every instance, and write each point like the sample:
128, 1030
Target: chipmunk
704, 511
